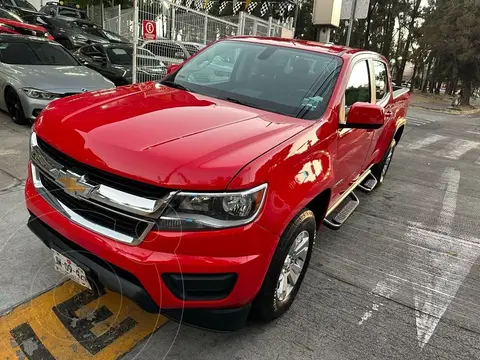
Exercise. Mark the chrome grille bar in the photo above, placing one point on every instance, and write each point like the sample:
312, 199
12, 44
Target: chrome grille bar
107, 199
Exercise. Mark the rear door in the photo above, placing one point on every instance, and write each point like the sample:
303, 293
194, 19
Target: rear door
354, 144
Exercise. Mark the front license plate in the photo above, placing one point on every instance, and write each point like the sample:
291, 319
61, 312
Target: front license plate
67, 267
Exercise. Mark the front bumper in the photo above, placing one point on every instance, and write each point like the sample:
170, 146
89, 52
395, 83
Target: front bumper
139, 272
32, 107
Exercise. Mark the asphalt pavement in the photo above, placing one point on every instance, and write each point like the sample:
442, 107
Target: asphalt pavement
400, 280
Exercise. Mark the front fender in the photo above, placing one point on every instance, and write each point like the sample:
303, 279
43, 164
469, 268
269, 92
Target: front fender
296, 172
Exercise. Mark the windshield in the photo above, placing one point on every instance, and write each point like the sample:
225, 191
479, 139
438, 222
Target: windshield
113, 37
123, 56
283, 80
24, 4
10, 16
55, 23
120, 55
72, 13
35, 53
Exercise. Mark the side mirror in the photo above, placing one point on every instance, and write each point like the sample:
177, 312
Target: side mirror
172, 68
365, 116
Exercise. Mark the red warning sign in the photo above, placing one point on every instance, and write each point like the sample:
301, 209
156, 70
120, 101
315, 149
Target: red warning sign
149, 29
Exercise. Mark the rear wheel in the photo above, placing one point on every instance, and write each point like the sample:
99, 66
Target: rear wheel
14, 107
287, 269
380, 170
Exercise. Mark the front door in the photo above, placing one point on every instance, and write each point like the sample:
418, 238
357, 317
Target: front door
353, 144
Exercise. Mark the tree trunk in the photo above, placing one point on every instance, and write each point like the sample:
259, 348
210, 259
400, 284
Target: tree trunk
467, 92
427, 75
438, 87
412, 82
369, 18
408, 43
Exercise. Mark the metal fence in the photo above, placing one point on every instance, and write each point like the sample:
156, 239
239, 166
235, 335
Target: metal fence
181, 31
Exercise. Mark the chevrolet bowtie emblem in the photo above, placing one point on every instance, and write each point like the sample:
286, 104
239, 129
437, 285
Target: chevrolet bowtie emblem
74, 184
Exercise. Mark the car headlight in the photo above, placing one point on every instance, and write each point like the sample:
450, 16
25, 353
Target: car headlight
204, 211
39, 94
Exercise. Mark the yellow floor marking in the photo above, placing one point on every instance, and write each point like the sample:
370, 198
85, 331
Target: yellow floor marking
59, 341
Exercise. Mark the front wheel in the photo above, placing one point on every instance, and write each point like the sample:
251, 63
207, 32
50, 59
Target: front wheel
287, 269
14, 107
380, 170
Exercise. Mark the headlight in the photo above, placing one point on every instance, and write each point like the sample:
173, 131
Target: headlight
39, 94
203, 211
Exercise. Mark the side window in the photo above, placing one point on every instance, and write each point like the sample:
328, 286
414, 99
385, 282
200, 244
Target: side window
381, 80
359, 87
87, 50
98, 50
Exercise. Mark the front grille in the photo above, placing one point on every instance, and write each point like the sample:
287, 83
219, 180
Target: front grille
99, 177
109, 219
67, 94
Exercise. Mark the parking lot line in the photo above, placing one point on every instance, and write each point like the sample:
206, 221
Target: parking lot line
69, 322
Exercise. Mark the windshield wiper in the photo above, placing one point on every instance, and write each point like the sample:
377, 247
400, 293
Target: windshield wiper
174, 85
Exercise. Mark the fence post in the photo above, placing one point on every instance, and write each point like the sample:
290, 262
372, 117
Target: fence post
102, 14
270, 25
119, 19
241, 23
173, 27
135, 41
205, 30
255, 26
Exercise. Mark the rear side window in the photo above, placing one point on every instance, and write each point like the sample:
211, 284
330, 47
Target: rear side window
381, 80
35, 54
359, 87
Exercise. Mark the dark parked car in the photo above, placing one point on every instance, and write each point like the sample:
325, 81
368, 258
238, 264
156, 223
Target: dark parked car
114, 61
70, 36
19, 7
96, 30
60, 9
11, 23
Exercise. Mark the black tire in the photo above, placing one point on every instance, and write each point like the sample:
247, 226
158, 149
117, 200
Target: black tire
14, 107
267, 305
380, 170
66, 44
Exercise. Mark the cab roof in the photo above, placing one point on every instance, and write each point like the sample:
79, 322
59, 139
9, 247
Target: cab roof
331, 49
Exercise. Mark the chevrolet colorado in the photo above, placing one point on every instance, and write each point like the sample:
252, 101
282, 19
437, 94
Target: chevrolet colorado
200, 195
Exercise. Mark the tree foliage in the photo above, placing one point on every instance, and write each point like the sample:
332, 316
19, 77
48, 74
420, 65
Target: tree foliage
452, 33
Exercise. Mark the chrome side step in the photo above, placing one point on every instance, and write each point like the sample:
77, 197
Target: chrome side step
369, 183
336, 219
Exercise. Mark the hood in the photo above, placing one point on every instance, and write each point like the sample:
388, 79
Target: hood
60, 79
163, 136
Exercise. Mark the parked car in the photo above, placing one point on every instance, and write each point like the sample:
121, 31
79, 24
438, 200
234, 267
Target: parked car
54, 9
70, 36
114, 61
35, 71
204, 200
10, 23
19, 7
192, 47
167, 51
96, 30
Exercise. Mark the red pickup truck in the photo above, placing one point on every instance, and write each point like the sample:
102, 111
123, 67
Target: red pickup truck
200, 195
